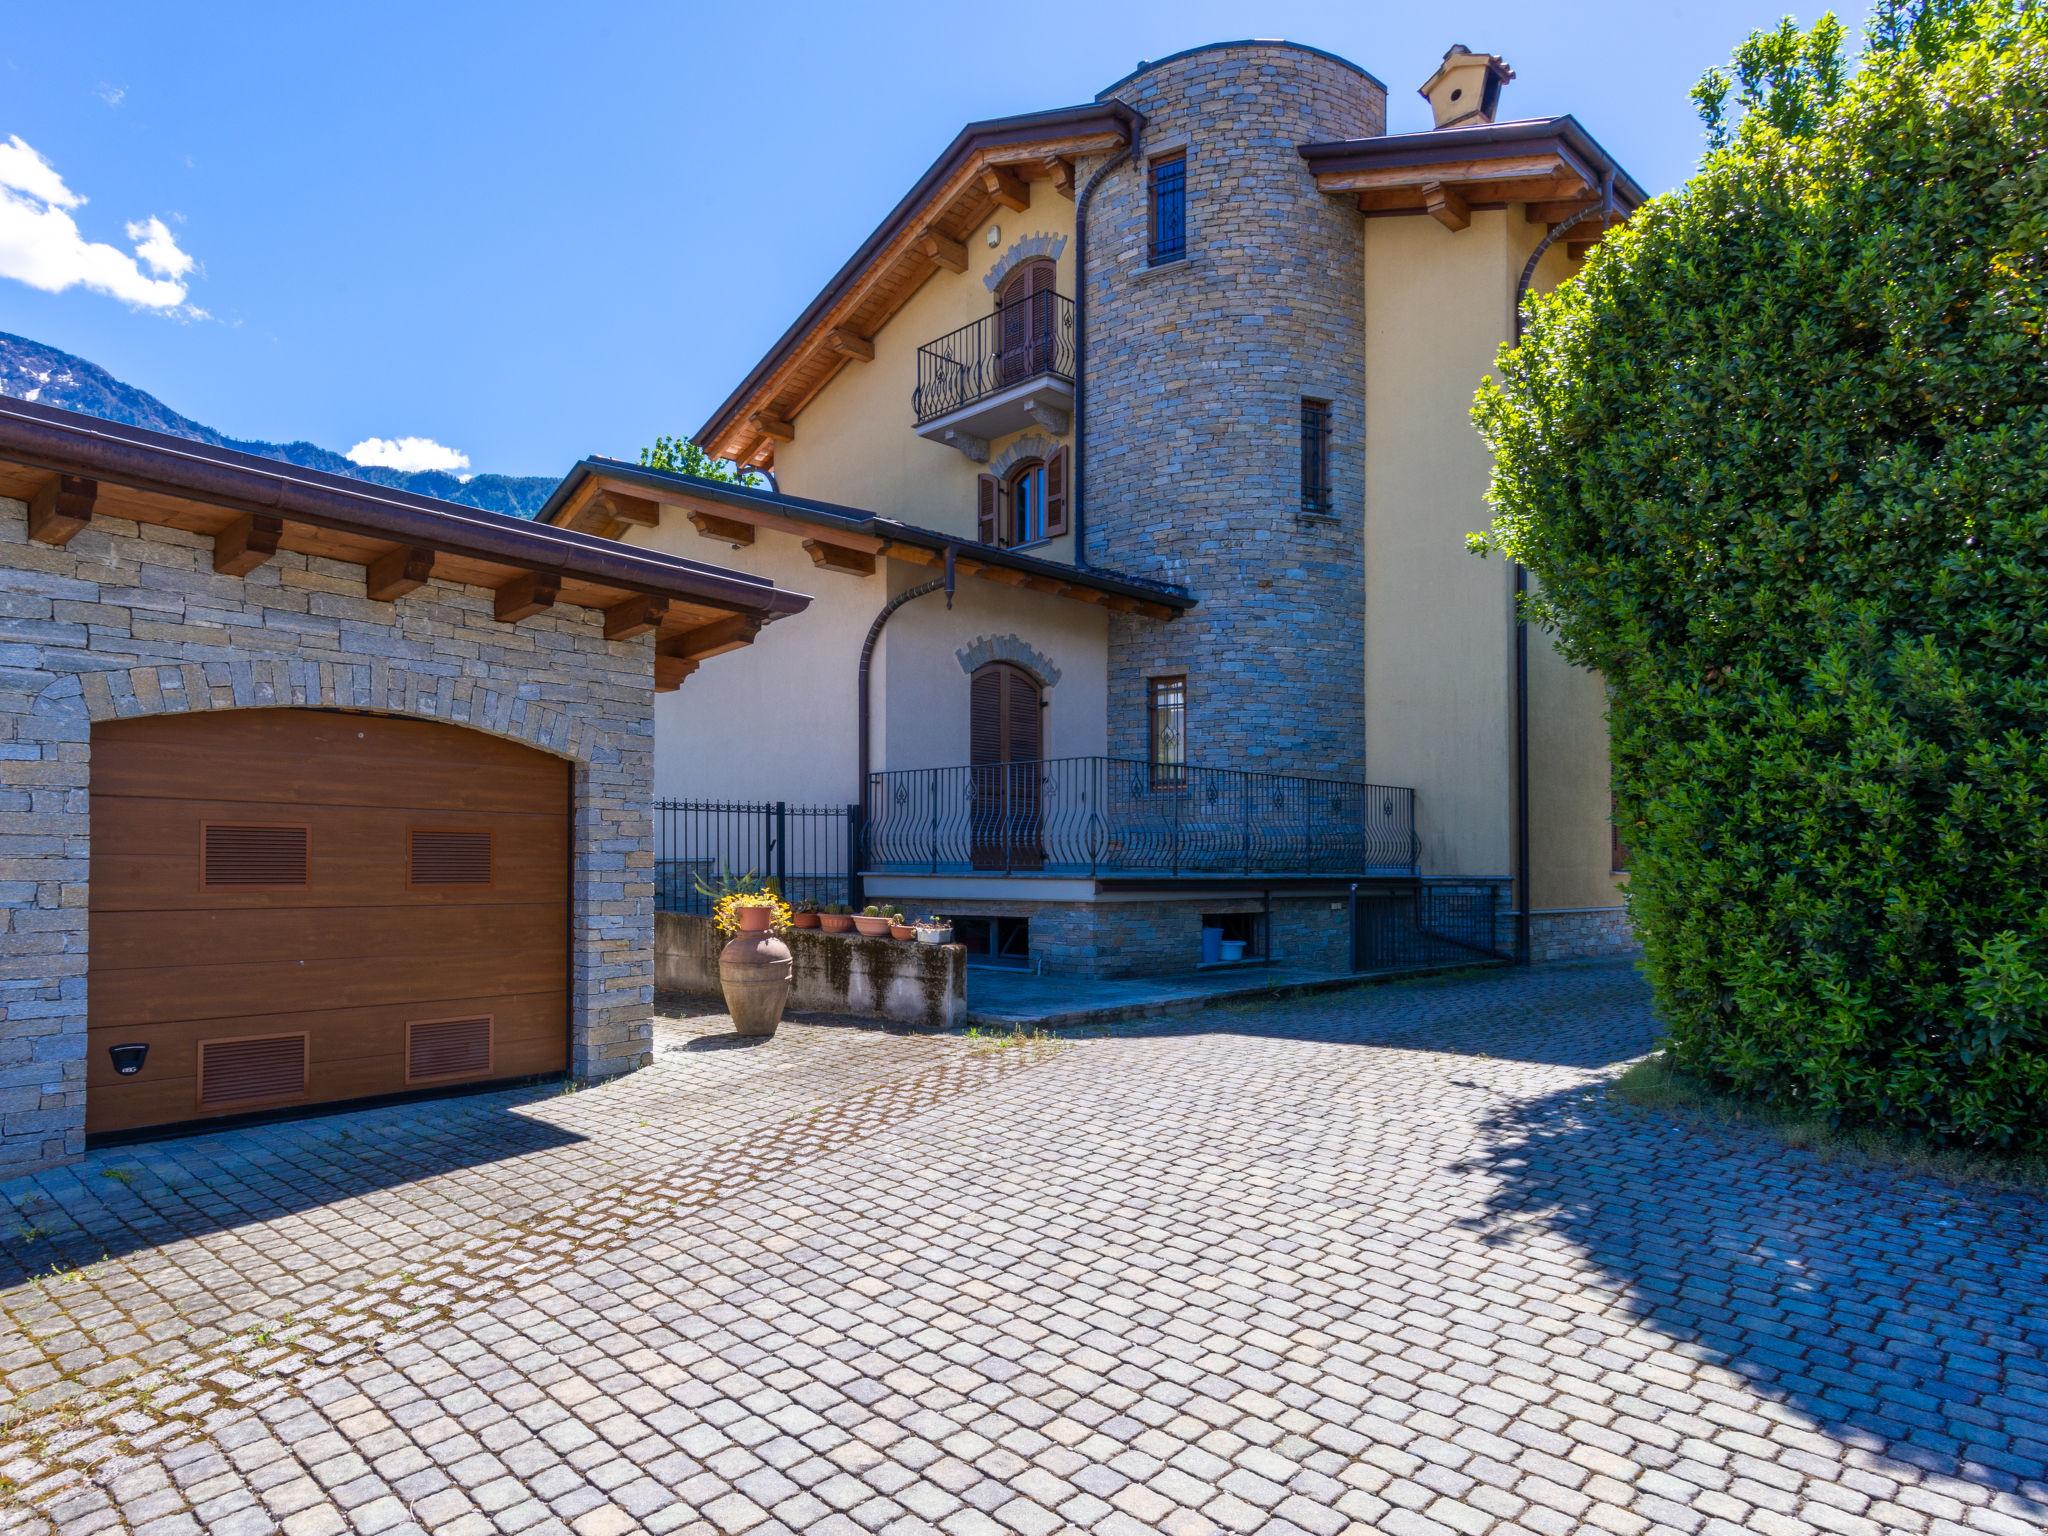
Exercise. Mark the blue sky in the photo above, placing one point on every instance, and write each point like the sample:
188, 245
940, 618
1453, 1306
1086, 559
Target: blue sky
532, 231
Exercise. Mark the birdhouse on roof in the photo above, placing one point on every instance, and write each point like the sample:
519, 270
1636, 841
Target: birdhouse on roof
1465, 90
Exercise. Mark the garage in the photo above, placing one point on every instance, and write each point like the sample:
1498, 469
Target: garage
293, 907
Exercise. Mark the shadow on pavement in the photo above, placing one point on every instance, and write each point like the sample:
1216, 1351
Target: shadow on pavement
1898, 1313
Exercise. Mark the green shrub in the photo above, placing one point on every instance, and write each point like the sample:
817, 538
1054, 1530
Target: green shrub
1779, 461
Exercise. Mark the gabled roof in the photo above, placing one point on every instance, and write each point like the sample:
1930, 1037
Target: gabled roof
598, 490
922, 233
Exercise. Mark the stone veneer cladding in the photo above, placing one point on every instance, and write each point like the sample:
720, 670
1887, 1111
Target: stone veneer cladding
131, 619
1196, 371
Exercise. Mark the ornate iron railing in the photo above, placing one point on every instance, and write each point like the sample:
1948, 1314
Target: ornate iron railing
1026, 339
807, 850
1107, 815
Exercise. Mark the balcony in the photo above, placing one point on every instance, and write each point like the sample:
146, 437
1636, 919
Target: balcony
1006, 371
1099, 817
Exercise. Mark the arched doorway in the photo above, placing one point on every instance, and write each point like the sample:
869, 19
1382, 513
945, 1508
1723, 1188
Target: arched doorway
1006, 743
1024, 311
297, 906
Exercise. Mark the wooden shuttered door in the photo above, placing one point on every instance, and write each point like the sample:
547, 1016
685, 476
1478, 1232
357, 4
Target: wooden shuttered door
299, 906
1005, 745
1025, 310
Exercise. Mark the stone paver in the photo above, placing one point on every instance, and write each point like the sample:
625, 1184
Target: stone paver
1380, 1261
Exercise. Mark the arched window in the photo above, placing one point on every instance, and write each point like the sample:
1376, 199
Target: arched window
1026, 486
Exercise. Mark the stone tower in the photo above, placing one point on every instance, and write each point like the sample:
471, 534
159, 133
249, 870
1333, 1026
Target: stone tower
1196, 374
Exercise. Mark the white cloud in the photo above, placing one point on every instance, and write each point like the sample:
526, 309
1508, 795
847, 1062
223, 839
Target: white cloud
408, 453
112, 95
40, 243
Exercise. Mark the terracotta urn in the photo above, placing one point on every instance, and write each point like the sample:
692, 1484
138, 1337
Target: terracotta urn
754, 972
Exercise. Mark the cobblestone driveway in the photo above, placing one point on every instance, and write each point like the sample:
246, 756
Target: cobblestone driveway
1384, 1261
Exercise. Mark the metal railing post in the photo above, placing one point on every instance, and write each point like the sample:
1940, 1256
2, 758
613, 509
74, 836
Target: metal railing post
781, 846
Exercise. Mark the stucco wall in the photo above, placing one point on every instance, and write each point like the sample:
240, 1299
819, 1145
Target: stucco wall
128, 620
856, 441
779, 720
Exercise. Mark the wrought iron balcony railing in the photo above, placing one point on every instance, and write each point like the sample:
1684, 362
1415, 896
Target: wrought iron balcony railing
1027, 339
1109, 816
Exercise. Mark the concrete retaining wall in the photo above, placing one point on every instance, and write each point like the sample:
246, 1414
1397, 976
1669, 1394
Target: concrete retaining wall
868, 978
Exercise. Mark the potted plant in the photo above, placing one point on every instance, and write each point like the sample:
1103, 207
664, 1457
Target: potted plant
933, 929
835, 919
805, 914
872, 921
754, 968
900, 926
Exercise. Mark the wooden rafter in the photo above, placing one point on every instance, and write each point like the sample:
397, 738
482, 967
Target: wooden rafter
713, 639
669, 672
848, 342
619, 507
943, 250
827, 556
61, 508
524, 596
1446, 205
727, 530
391, 576
1005, 187
246, 543
768, 424
635, 616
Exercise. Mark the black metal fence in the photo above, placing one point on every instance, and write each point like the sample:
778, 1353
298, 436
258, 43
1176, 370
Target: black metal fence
808, 850
1433, 922
1025, 339
1108, 815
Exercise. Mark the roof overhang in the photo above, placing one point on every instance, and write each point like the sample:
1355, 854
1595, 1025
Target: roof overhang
608, 496
1551, 165
73, 469
988, 165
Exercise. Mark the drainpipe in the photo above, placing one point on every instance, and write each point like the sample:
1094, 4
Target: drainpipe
1080, 512
867, 658
1604, 209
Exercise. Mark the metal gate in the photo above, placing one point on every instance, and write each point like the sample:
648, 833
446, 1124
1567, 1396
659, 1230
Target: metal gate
1429, 923
809, 851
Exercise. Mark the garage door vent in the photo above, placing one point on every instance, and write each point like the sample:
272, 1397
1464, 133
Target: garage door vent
253, 1069
240, 854
450, 858
437, 1048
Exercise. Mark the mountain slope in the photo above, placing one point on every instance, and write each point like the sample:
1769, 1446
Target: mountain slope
31, 371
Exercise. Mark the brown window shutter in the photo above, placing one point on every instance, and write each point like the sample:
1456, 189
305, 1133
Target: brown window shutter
985, 716
1022, 709
985, 490
1056, 494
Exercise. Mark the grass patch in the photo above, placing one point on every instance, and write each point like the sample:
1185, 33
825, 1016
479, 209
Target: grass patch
981, 1038
1655, 1084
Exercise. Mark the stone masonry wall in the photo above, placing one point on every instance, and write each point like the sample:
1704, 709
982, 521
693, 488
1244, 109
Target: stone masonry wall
1581, 935
1158, 938
131, 619
1196, 372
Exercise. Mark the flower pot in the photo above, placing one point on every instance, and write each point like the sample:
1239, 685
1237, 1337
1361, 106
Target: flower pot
804, 919
940, 935
836, 922
1233, 951
902, 931
754, 972
754, 919
871, 927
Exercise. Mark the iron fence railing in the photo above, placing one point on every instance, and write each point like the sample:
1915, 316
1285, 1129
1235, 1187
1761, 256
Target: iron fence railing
1432, 922
808, 850
1027, 338
1107, 815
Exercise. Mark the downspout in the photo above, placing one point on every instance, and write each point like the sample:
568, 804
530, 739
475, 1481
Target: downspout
1129, 150
867, 658
1523, 895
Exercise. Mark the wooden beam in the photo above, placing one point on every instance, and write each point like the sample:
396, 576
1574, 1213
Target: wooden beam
1157, 611
778, 427
1048, 584
1005, 575
1558, 210
246, 543
640, 511
524, 596
1060, 172
915, 554
944, 249
635, 616
713, 639
1449, 172
396, 572
60, 508
1006, 187
1446, 206
727, 530
1116, 602
837, 557
669, 672
848, 342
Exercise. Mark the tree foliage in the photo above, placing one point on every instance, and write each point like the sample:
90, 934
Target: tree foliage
681, 456
1779, 459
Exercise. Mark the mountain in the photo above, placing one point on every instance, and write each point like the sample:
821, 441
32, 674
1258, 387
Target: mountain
31, 371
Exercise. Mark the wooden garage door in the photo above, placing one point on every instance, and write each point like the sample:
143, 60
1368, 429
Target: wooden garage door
295, 906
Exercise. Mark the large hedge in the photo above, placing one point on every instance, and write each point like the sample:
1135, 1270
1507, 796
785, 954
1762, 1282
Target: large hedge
1779, 461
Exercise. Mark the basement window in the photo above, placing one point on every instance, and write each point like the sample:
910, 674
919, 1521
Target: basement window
1004, 941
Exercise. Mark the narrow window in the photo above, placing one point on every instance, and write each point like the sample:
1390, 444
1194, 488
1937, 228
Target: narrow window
1167, 727
1169, 208
1027, 503
1315, 457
